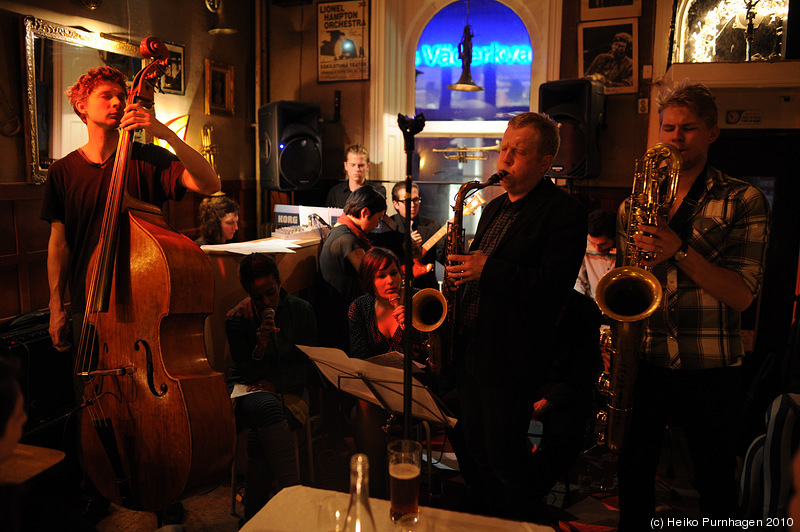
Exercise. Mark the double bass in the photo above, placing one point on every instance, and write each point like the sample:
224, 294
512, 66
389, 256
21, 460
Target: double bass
157, 423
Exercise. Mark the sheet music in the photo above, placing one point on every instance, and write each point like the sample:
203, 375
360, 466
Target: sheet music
276, 245
350, 376
395, 359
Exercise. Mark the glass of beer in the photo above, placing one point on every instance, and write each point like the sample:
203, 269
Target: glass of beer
405, 464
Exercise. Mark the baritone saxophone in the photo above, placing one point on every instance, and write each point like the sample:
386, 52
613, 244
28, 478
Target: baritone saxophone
631, 293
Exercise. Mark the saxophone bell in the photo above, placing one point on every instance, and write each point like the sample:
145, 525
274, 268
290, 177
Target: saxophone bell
429, 310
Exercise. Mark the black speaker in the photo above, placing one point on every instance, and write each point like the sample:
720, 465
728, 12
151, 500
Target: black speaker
291, 150
578, 106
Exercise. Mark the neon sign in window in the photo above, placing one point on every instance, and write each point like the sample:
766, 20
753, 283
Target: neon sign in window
501, 63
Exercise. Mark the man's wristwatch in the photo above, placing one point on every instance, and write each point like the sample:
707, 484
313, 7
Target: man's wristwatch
681, 253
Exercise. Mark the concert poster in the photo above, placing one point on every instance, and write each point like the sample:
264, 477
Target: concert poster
343, 38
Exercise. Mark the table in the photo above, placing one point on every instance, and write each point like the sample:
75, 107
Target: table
26, 462
298, 272
296, 509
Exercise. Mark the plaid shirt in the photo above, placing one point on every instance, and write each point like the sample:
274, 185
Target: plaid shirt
729, 227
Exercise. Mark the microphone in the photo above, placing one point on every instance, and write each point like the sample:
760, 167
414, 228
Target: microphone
268, 315
314, 217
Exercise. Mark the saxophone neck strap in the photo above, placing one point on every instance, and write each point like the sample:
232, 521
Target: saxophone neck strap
687, 207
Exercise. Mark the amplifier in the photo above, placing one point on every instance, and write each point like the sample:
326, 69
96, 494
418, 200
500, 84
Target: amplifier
45, 374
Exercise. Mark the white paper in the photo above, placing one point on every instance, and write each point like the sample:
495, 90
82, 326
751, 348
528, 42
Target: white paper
276, 245
395, 359
351, 375
240, 390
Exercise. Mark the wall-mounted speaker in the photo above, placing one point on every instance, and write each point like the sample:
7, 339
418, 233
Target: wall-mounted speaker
291, 150
577, 105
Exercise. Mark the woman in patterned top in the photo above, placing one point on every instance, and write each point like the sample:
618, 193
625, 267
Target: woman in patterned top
377, 319
377, 325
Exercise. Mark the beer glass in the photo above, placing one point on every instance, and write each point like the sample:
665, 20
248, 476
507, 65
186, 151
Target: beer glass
405, 464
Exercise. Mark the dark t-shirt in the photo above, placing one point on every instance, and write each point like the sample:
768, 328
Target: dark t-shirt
76, 190
340, 193
338, 284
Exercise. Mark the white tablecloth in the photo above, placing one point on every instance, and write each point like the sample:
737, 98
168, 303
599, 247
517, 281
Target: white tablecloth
297, 509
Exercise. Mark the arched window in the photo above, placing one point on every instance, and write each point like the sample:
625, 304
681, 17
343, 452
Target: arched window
503, 60
501, 63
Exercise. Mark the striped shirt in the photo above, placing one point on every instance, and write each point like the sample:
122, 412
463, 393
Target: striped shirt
729, 227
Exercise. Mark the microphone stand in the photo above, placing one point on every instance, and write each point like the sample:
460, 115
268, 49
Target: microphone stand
410, 127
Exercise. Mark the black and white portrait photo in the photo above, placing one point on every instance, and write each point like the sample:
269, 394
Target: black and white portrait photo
608, 54
610, 9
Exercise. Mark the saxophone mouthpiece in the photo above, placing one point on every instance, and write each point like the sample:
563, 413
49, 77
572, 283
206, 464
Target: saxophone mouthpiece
495, 178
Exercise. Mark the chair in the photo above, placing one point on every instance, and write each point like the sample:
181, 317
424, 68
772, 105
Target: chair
240, 456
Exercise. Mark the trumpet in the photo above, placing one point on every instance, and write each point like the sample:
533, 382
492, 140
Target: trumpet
463, 154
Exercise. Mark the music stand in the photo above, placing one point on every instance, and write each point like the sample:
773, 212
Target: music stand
380, 385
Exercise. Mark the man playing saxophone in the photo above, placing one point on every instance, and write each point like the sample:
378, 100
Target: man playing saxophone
709, 257
515, 281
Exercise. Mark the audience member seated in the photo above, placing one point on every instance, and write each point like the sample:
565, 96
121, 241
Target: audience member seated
263, 331
377, 326
601, 256
766, 482
12, 411
338, 281
219, 220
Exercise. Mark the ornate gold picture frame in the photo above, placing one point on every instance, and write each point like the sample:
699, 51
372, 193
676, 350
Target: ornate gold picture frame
219, 88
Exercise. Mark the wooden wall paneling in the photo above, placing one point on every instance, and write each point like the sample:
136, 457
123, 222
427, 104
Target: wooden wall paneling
23, 251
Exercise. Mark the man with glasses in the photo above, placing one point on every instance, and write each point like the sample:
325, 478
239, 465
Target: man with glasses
422, 228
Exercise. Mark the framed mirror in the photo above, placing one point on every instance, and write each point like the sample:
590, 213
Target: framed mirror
55, 57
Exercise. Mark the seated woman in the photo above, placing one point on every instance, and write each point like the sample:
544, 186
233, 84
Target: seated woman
219, 220
377, 326
263, 331
377, 318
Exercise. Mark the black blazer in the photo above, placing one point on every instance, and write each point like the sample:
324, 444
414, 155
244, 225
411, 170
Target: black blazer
525, 283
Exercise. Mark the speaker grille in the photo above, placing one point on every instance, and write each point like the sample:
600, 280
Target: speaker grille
300, 162
291, 150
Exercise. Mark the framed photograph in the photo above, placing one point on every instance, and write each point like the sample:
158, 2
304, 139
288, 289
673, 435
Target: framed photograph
609, 9
343, 41
173, 80
219, 88
608, 53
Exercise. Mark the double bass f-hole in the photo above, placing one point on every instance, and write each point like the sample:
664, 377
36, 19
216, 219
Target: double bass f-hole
150, 381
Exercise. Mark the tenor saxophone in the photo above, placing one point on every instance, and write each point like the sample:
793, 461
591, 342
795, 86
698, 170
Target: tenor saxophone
440, 353
631, 293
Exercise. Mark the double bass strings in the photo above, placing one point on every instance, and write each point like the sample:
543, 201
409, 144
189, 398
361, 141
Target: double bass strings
106, 252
